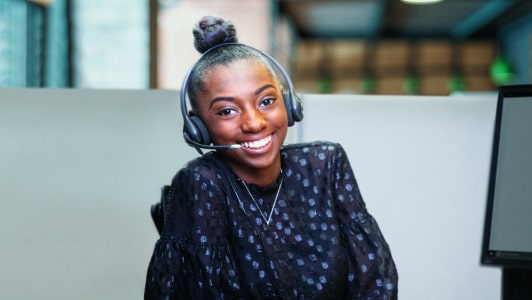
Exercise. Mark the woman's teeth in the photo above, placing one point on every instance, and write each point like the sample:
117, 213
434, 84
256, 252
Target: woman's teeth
257, 144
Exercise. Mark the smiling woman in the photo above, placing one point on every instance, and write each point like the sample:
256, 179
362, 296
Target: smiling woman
257, 219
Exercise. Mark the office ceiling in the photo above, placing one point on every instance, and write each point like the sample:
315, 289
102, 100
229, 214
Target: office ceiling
378, 19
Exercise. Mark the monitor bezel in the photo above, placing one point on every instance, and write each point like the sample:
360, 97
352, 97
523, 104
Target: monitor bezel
508, 259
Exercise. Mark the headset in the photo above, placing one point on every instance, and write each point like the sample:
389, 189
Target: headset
195, 132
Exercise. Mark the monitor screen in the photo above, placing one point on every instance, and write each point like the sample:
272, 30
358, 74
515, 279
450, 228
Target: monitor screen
507, 238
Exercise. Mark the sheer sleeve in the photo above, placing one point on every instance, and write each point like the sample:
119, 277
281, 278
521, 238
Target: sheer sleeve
371, 270
193, 259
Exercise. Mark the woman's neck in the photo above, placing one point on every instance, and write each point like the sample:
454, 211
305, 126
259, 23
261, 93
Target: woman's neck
264, 177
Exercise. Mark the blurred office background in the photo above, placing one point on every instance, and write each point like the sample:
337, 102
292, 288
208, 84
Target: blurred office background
328, 46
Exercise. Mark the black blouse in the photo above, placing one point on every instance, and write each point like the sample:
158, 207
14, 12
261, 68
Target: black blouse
321, 242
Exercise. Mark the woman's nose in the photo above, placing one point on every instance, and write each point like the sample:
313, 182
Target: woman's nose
253, 120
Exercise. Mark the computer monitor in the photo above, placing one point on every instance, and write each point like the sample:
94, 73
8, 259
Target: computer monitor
507, 240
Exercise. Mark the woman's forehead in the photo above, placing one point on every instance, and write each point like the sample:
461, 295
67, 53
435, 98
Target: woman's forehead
250, 63
241, 69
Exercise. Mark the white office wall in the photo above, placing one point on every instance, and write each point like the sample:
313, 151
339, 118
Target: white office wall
79, 170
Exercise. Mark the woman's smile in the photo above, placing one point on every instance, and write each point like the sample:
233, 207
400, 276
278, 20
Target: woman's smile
257, 144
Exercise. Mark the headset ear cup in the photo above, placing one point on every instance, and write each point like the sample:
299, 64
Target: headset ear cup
297, 107
288, 105
294, 109
202, 135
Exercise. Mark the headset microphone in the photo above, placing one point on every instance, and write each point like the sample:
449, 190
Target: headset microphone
213, 147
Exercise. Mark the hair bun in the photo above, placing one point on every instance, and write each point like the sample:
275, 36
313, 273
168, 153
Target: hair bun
211, 31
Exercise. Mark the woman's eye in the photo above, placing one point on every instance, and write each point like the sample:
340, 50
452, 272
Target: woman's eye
267, 101
225, 112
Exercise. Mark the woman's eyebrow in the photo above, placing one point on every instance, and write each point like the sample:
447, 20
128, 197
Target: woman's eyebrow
266, 86
228, 98
220, 99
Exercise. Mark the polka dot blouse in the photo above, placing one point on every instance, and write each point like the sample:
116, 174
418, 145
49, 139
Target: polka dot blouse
320, 243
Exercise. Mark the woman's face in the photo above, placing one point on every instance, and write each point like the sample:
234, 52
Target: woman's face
243, 104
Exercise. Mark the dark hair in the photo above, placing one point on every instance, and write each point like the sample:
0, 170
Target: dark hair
209, 33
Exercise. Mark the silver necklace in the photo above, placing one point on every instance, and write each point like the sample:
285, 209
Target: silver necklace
274, 201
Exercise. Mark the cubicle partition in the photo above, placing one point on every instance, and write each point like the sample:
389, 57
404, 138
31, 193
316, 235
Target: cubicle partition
422, 164
79, 170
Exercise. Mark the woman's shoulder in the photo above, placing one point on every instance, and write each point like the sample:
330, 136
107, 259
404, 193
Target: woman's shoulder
200, 174
205, 168
316, 147
318, 154
197, 190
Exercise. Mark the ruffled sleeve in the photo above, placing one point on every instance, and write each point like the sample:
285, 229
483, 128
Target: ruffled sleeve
371, 270
193, 259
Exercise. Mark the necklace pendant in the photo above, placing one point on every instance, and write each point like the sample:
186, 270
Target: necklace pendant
267, 220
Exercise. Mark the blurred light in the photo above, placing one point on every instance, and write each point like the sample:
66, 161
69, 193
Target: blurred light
324, 85
411, 85
501, 71
421, 1
368, 84
456, 83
